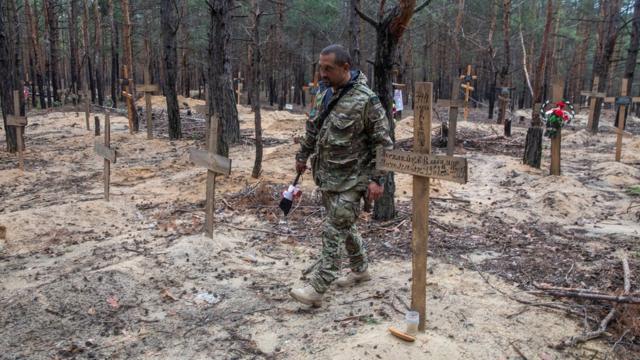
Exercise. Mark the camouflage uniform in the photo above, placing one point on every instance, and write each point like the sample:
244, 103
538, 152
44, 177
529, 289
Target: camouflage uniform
342, 155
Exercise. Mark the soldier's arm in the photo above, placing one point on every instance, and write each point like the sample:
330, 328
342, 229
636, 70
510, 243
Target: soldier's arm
377, 128
308, 142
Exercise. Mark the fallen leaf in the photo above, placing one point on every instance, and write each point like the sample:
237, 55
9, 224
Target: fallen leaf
167, 295
113, 301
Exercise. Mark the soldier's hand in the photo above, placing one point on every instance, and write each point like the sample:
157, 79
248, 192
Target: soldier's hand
301, 167
375, 191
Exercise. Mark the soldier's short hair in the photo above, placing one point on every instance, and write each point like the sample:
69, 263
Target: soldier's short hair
342, 55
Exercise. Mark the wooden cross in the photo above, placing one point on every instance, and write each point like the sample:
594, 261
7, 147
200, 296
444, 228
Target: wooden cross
593, 95
557, 93
107, 153
423, 166
86, 102
239, 91
623, 100
19, 122
215, 164
453, 106
466, 79
127, 84
148, 89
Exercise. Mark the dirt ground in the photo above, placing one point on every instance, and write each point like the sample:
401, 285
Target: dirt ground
135, 277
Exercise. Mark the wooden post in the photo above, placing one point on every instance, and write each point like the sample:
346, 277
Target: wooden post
215, 164
128, 94
148, 89
593, 95
453, 106
623, 101
19, 122
420, 239
86, 105
558, 91
104, 150
423, 166
239, 91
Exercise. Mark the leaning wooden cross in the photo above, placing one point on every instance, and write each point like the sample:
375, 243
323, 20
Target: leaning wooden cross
467, 79
148, 89
623, 101
423, 166
107, 153
453, 106
19, 122
215, 164
593, 95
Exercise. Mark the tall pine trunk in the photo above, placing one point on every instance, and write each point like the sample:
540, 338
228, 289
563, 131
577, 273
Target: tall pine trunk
99, 60
169, 31
255, 88
115, 65
73, 47
221, 94
128, 63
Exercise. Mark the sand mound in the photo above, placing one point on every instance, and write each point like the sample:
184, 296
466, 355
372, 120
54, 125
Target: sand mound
159, 101
617, 174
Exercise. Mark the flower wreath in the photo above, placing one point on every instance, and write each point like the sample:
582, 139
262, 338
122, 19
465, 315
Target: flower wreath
557, 117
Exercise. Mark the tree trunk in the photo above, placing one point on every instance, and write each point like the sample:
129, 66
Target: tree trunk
37, 52
52, 23
607, 38
184, 63
491, 67
7, 73
128, 63
389, 30
354, 33
73, 47
114, 56
255, 89
86, 57
632, 55
99, 60
222, 97
169, 27
533, 144
504, 71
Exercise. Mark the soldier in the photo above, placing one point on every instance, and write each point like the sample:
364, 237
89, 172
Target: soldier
346, 126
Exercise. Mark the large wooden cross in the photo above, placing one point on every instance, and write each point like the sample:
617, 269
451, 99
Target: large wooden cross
105, 151
215, 164
453, 106
593, 95
623, 101
467, 79
19, 122
423, 166
127, 84
556, 142
147, 88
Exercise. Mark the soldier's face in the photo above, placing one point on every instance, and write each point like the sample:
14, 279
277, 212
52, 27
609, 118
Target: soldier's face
332, 73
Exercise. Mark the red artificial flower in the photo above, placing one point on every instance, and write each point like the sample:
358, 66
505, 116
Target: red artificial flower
561, 104
559, 113
565, 117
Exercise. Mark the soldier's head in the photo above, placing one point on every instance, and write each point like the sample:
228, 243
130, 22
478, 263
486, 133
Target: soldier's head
335, 65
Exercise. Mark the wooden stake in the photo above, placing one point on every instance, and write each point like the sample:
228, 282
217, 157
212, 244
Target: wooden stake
621, 114
107, 163
16, 111
558, 91
594, 95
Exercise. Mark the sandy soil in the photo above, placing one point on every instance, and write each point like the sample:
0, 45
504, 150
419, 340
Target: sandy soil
135, 278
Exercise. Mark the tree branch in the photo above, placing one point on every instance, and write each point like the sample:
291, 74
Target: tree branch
366, 18
422, 6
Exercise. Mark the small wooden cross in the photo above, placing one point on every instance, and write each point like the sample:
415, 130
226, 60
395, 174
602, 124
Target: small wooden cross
423, 166
215, 164
127, 83
453, 106
239, 91
107, 153
148, 89
467, 79
556, 142
593, 95
623, 101
19, 122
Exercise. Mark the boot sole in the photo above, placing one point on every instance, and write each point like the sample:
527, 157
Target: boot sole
305, 301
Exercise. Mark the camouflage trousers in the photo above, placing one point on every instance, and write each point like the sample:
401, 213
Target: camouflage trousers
339, 230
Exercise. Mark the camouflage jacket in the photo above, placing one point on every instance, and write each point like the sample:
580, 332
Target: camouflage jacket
343, 150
